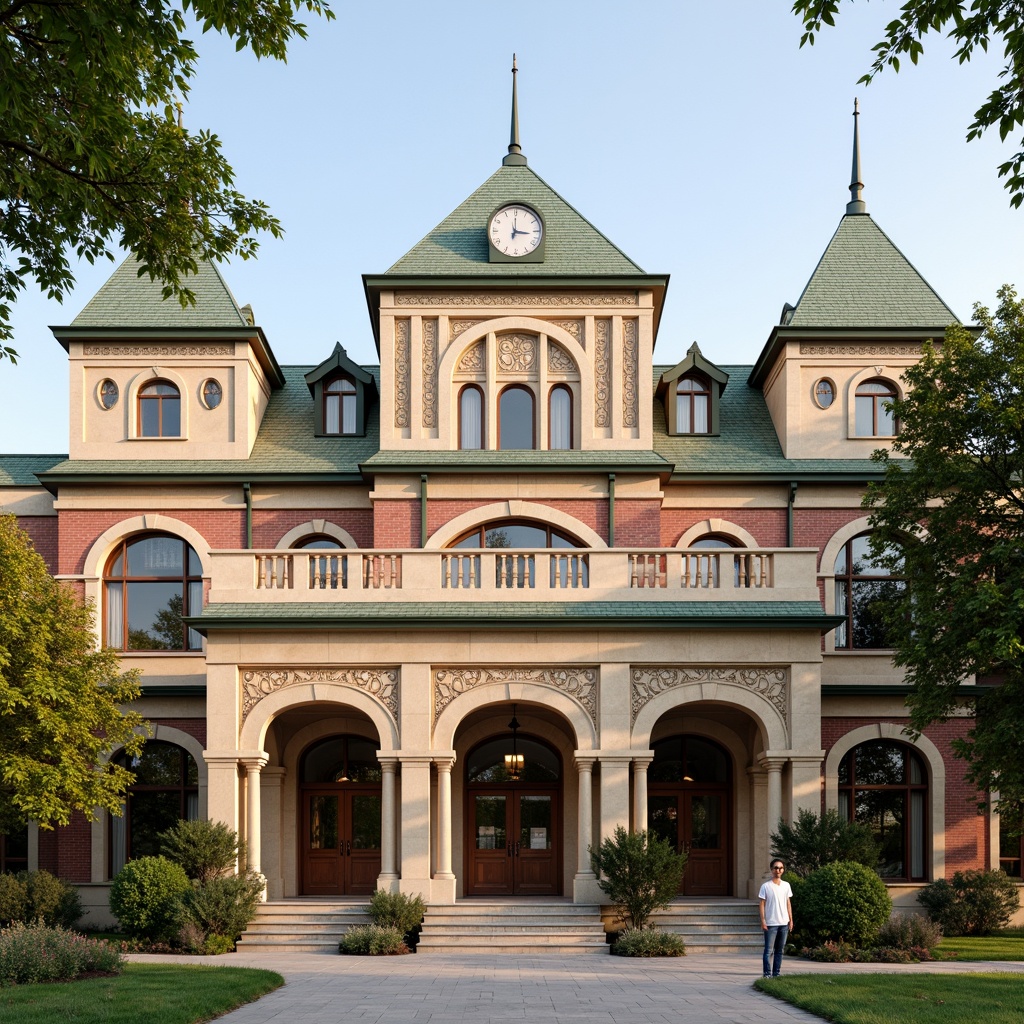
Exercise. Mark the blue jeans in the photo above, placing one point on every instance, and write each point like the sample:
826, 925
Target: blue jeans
775, 936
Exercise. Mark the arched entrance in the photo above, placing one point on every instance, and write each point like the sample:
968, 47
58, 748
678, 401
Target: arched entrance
688, 804
513, 820
340, 808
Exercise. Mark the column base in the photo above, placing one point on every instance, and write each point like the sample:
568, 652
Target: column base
415, 886
586, 890
387, 882
442, 889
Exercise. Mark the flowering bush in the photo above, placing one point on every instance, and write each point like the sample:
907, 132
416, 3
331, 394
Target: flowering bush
372, 940
33, 895
648, 942
32, 953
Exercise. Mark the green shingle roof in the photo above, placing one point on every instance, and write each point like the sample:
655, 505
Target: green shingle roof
127, 300
517, 459
458, 245
863, 280
21, 470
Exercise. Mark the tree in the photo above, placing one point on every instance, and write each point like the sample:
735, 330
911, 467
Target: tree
93, 147
60, 698
971, 27
812, 842
955, 507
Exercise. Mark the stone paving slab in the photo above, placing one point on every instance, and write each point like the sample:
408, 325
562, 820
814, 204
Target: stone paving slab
710, 988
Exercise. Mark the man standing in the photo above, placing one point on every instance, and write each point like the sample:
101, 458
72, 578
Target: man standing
776, 903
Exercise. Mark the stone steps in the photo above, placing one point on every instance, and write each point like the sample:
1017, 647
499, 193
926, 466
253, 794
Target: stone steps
713, 927
302, 926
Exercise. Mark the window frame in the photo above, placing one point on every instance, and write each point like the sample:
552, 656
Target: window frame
844, 635
347, 401
569, 425
876, 398
479, 391
159, 400
528, 391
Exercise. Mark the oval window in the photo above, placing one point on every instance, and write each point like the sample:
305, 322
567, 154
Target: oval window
109, 393
212, 393
824, 393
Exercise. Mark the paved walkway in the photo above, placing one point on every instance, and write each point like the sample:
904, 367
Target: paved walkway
440, 989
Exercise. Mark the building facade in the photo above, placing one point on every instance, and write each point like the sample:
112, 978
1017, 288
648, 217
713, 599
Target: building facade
443, 623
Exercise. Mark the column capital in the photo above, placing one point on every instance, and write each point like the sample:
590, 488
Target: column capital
584, 762
388, 765
254, 762
445, 762
642, 761
772, 762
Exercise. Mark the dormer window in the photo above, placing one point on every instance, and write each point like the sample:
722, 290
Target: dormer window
159, 410
693, 405
340, 407
873, 409
692, 392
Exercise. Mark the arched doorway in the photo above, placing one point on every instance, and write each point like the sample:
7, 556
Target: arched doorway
513, 820
688, 804
340, 806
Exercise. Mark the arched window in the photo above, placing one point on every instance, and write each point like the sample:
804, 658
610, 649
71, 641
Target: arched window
704, 568
519, 571
151, 582
873, 415
883, 784
560, 418
318, 540
471, 418
166, 790
159, 410
487, 763
693, 402
340, 407
327, 571
863, 588
515, 419
516, 533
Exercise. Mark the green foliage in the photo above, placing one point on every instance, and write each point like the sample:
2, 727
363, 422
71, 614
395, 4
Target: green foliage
396, 910
843, 901
812, 842
37, 952
973, 903
61, 700
372, 940
33, 896
909, 931
204, 849
215, 945
13, 900
990, 21
92, 146
224, 906
951, 496
649, 942
639, 872
146, 896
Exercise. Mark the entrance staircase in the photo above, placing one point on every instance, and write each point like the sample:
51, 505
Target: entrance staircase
533, 927
722, 925
307, 925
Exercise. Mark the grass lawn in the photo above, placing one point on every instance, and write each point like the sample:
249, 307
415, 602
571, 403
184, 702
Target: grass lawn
1004, 946
143, 994
895, 998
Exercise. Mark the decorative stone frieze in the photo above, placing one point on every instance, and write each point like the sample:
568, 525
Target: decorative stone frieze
159, 350
602, 373
430, 373
648, 681
517, 353
403, 340
630, 372
573, 327
559, 361
811, 349
473, 359
457, 327
382, 684
578, 683
518, 298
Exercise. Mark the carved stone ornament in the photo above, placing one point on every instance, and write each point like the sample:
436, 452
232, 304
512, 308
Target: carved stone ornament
472, 360
811, 349
380, 683
159, 350
648, 681
559, 361
602, 373
402, 360
430, 373
578, 683
517, 353
517, 298
457, 327
573, 327
630, 369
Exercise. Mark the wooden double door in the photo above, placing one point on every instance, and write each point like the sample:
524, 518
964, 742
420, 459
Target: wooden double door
513, 842
695, 819
340, 839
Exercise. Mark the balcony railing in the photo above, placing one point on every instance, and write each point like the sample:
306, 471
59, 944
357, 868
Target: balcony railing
552, 574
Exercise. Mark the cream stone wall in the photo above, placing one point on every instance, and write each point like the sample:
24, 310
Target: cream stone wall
27, 501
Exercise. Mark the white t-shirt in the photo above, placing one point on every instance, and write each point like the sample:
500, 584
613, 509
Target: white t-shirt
776, 906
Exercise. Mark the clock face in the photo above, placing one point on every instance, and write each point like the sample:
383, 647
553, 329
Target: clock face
516, 230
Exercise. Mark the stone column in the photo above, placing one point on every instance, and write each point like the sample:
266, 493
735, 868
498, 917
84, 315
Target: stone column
759, 840
443, 886
388, 833
585, 888
414, 873
614, 793
640, 766
223, 798
253, 827
272, 787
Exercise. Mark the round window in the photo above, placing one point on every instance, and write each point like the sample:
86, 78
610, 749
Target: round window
824, 393
108, 393
212, 393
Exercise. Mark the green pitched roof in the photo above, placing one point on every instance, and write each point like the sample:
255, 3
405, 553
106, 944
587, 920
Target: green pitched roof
21, 470
517, 459
458, 245
127, 300
863, 280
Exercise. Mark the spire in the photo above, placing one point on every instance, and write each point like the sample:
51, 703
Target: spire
515, 152
856, 204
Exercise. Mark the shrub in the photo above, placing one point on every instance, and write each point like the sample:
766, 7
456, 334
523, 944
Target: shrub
830, 952
33, 953
648, 942
13, 900
223, 906
396, 910
843, 901
372, 940
910, 932
811, 842
51, 899
639, 872
974, 903
204, 849
146, 897
217, 944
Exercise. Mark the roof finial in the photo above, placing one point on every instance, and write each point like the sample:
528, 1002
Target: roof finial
515, 152
856, 204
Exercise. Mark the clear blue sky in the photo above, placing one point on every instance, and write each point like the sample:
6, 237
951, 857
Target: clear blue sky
697, 136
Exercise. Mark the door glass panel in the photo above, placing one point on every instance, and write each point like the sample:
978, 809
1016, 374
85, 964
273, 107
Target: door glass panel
706, 822
535, 823
365, 821
490, 822
323, 822
663, 818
